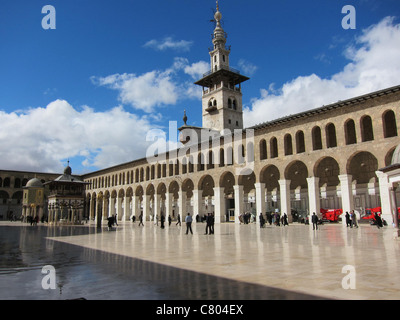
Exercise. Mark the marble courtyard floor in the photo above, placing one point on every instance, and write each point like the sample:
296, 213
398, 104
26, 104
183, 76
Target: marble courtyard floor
237, 262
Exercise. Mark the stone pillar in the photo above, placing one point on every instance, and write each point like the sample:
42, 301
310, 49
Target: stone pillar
239, 200
219, 204
260, 200
135, 207
146, 207
284, 186
156, 208
127, 211
182, 205
384, 193
313, 197
347, 195
119, 212
168, 205
197, 199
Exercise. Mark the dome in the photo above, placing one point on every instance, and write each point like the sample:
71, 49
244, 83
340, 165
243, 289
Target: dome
68, 170
396, 155
35, 182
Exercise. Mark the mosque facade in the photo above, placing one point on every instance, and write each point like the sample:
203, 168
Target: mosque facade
325, 158
333, 157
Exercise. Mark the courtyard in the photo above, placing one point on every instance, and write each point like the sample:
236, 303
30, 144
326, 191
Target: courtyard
236, 262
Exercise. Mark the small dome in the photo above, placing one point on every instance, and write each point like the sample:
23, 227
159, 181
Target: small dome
35, 182
396, 155
68, 170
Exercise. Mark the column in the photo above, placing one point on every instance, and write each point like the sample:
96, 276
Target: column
219, 204
119, 209
135, 207
197, 199
146, 207
284, 187
156, 208
168, 205
347, 195
384, 193
393, 203
239, 199
127, 211
260, 200
182, 204
313, 197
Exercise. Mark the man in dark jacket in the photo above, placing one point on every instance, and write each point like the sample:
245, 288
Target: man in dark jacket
314, 220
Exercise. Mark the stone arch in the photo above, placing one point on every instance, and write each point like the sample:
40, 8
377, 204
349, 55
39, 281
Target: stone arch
206, 184
362, 166
227, 181
297, 173
270, 175
367, 130
173, 188
247, 181
188, 186
327, 170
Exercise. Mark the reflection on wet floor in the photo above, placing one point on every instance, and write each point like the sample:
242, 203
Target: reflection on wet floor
94, 274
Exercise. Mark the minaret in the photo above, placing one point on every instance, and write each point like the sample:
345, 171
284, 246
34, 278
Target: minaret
222, 95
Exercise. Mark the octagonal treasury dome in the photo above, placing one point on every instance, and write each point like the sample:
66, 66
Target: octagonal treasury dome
35, 182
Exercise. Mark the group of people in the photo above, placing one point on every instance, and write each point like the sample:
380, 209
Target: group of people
273, 218
351, 219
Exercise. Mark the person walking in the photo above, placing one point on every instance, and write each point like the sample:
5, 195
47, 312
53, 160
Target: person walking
179, 220
378, 220
284, 220
314, 220
354, 219
169, 220
348, 221
141, 220
208, 223
162, 221
212, 223
188, 221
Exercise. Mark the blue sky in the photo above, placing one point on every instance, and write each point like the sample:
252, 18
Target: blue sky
113, 71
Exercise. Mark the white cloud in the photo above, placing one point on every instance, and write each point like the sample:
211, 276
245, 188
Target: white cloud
39, 138
374, 64
156, 88
247, 67
169, 43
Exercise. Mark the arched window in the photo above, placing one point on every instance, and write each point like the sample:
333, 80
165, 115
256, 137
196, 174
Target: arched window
6, 183
330, 131
300, 144
288, 144
273, 143
210, 162
200, 162
229, 103
389, 124
234, 104
263, 149
367, 131
221, 157
350, 132
316, 138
